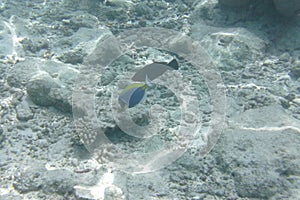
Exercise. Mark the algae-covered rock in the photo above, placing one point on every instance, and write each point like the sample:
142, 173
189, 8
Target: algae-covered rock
39, 87
48, 83
46, 91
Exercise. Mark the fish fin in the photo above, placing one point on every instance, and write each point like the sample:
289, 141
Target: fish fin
148, 81
174, 64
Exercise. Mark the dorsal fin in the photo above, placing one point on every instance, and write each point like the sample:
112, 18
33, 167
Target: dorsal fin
148, 81
174, 64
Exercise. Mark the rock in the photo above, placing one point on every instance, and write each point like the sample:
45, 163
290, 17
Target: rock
84, 193
48, 83
119, 3
78, 45
72, 57
43, 90
104, 189
8, 196
255, 153
118, 14
258, 183
290, 97
106, 50
39, 87
21, 73
255, 162
58, 150
295, 72
232, 48
113, 193
251, 159
143, 10
288, 8
24, 112
272, 116
62, 99
35, 45
82, 19
59, 181
28, 180
145, 185
234, 3
65, 73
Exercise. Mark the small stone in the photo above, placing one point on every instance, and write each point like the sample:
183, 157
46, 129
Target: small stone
24, 112
118, 3
290, 97
42, 143
297, 101
113, 193
284, 103
74, 162
285, 57
72, 57
142, 23
199, 197
83, 193
295, 72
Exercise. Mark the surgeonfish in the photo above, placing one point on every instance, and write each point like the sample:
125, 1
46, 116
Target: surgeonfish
134, 93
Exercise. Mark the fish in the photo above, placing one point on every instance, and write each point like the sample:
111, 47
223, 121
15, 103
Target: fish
154, 70
133, 94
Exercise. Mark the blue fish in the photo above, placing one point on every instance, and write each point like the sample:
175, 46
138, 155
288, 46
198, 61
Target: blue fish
133, 94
